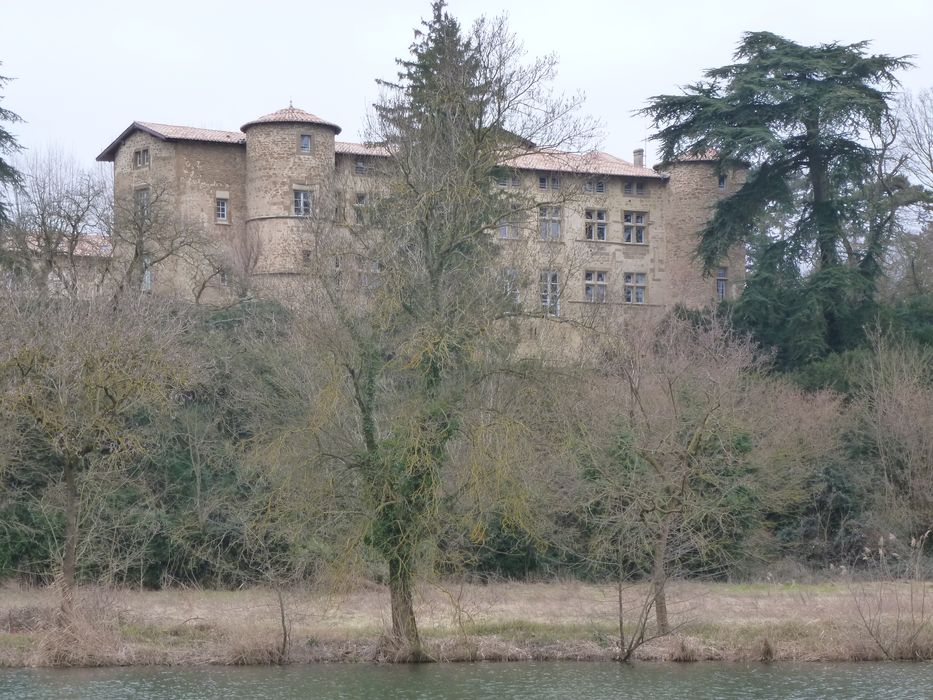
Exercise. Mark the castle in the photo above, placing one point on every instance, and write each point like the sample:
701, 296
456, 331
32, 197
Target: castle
625, 233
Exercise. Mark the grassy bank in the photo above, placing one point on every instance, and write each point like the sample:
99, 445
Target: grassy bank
508, 621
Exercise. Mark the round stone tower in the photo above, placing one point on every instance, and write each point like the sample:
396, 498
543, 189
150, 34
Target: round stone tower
289, 183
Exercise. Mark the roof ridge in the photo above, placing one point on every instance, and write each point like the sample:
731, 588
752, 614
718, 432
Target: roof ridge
185, 126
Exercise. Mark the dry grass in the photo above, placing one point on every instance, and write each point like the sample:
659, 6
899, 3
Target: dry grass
508, 621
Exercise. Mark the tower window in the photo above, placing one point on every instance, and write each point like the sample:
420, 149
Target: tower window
722, 280
302, 203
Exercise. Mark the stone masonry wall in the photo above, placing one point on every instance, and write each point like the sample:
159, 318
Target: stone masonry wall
691, 194
275, 167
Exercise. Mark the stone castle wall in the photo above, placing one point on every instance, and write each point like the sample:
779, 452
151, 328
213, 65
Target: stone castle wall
259, 180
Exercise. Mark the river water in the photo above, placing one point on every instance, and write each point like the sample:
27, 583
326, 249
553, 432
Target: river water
480, 681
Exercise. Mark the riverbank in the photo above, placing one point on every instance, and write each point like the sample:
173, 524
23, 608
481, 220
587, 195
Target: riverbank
509, 621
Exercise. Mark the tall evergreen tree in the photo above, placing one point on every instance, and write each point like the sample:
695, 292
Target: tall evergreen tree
798, 115
8, 146
420, 327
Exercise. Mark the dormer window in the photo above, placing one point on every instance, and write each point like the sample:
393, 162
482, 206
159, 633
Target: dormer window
304, 143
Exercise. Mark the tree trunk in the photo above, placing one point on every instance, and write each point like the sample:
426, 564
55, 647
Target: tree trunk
659, 577
623, 656
70, 553
404, 626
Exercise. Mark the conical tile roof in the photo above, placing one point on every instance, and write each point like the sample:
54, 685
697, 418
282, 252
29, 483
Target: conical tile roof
291, 115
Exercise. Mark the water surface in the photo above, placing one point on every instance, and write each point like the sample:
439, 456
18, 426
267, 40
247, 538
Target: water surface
480, 681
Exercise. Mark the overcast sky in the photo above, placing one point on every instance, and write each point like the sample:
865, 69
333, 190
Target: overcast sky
85, 69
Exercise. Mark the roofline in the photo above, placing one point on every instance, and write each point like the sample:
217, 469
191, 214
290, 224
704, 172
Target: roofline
704, 161
109, 153
327, 125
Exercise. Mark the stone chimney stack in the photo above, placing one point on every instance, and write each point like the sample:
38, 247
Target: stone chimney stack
639, 157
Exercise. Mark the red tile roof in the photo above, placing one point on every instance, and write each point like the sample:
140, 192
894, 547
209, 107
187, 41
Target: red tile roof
190, 133
170, 132
291, 115
591, 163
359, 149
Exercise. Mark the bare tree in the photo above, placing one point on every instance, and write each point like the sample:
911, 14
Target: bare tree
915, 113
60, 218
893, 409
77, 380
150, 237
407, 308
685, 446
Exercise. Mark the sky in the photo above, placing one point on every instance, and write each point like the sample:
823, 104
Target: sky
84, 71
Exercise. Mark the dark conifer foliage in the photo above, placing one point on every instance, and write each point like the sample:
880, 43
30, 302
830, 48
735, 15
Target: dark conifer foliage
799, 116
8, 146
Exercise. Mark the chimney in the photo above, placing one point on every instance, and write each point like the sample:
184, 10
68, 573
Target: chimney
639, 154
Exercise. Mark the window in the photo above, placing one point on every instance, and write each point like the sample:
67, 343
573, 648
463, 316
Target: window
141, 158
509, 180
510, 285
722, 182
141, 202
635, 227
220, 210
594, 286
360, 167
595, 224
639, 188
550, 293
549, 223
545, 182
302, 202
370, 273
597, 186
359, 209
510, 225
146, 282
304, 143
636, 284
722, 280
627, 187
